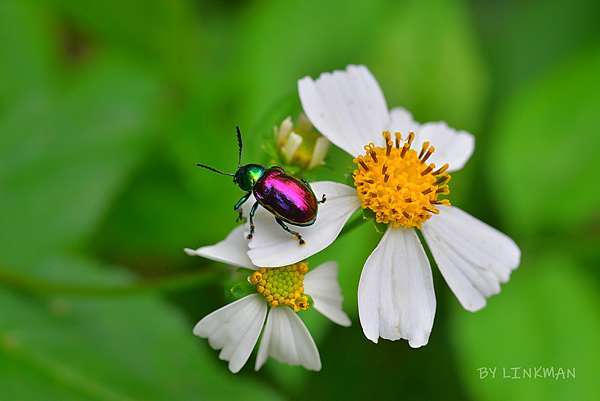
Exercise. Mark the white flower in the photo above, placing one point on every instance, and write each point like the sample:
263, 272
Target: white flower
400, 179
280, 293
301, 144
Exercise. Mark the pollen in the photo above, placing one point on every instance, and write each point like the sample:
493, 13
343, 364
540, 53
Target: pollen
397, 184
282, 285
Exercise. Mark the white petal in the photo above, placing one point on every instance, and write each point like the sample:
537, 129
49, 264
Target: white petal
234, 329
282, 132
273, 247
347, 107
232, 250
395, 293
323, 287
319, 152
287, 339
292, 144
402, 121
473, 257
451, 146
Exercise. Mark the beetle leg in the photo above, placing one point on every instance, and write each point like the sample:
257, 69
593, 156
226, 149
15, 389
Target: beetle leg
252, 211
294, 233
323, 198
238, 206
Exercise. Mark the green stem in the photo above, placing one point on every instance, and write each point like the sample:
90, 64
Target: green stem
38, 285
355, 223
43, 286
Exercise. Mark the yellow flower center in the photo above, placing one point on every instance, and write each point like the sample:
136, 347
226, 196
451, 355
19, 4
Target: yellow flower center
397, 184
282, 285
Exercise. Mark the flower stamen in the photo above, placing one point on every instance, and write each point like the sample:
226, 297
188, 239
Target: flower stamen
428, 170
424, 148
404, 192
427, 154
442, 180
431, 210
407, 145
388, 143
373, 155
282, 285
444, 202
441, 170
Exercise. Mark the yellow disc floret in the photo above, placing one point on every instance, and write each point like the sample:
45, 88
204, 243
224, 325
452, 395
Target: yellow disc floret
397, 184
282, 285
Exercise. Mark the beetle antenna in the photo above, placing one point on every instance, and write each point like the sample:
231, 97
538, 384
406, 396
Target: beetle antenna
213, 169
239, 139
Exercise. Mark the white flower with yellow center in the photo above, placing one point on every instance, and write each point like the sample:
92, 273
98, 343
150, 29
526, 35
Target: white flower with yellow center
402, 177
280, 293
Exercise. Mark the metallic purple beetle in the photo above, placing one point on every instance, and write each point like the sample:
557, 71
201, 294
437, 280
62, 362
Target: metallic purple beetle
289, 199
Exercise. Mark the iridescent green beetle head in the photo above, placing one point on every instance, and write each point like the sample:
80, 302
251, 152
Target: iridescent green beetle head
246, 176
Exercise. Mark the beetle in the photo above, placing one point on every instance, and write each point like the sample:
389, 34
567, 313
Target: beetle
289, 199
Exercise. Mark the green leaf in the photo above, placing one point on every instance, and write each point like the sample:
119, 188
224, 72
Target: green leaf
157, 216
427, 60
163, 35
546, 316
520, 44
63, 156
312, 37
27, 62
545, 150
117, 349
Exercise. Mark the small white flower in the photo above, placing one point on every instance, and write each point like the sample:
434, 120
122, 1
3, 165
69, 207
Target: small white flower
400, 179
280, 293
301, 144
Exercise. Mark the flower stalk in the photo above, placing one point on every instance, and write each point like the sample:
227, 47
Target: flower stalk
41, 286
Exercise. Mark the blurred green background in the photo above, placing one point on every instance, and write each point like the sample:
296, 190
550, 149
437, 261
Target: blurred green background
106, 106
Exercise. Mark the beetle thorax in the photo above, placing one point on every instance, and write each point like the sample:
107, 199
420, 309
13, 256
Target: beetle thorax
246, 176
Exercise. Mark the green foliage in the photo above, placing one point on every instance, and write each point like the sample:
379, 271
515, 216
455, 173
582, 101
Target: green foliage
115, 348
307, 37
527, 39
428, 59
161, 34
28, 63
64, 155
546, 317
105, 107
546, 144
